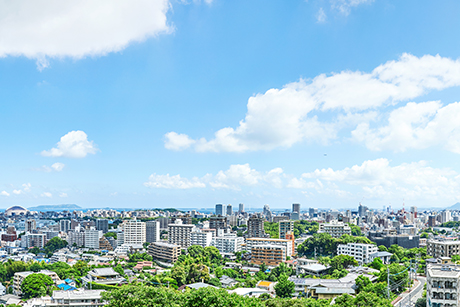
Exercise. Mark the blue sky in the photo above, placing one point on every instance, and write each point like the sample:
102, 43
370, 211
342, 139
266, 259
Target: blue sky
191, 103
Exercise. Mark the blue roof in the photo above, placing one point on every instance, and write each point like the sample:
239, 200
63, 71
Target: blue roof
68, 280
66, 287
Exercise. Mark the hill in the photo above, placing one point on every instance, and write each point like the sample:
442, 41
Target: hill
63, 207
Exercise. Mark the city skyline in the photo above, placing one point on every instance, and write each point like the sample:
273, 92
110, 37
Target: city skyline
187, 104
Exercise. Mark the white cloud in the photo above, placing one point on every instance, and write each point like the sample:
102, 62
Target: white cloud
4, 193
415, 125
17, 192
43, 29
321, 16
63, 195
58, 166
74, 144
344, 6
26, 187
46, 194
173, 182
286, 116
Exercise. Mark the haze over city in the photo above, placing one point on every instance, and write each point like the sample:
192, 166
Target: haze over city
187, 104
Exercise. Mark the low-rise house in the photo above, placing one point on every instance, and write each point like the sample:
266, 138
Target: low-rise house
143, 264
106, 276
253, 292
227, 282
267, 285
384, 256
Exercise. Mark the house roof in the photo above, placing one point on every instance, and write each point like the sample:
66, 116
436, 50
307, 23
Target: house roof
264, 283
199, 285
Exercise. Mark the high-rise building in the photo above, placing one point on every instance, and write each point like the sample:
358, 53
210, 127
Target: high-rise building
152, 231
102, 224
220, 209
164, 251
229, 210
335, 229
241, 208
33, 240
218, 222
134, 231
256, 227
30, 225
76, 238
296, 208
200, 238
64, 225
164, 222
442, 285
228, 243
180, 234
92, 238
362, 210
446, 216
413, 210
285, 227
267, 213
312, 212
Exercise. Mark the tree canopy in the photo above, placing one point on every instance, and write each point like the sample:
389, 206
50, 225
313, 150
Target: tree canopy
37, 285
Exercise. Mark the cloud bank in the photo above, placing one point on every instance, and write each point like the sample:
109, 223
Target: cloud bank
74, 144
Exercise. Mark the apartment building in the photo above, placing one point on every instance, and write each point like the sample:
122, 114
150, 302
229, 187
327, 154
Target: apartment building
76, 238
79, 298
201, 238
33, 240
64, 225
218, 222
268, 254
251, 243
360, 251
285, 227
180, 234
442, 286
134, 232
30, 225
20, 276
92, 238
228, 243
152, 231
335, 229
442, 248
256, 226
164, 251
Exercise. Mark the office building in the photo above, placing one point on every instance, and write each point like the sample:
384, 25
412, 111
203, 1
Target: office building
256, 227
295, 216
361, 252
102, 224
442, 288
241, 208
64, 226
229, 210
134, 232
268, 254
285, 227
152, 231
30, 225
164, 251
335, 229
312, 212
180, 234
389, 239
296, 208
200, 238
228, 243
279, 218
442, 248
446, 216
286, 243
220, 209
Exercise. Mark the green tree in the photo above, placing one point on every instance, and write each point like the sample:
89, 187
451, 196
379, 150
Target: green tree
179, 274
111, 234
341, 262
382, 248
54, 244
376, 264
284, 287
37, 285
361, 283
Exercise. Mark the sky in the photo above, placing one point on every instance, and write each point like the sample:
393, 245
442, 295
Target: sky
185, 104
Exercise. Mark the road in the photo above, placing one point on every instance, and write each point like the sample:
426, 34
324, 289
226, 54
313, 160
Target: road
414, 294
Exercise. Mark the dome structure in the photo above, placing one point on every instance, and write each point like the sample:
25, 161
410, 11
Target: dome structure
16, 210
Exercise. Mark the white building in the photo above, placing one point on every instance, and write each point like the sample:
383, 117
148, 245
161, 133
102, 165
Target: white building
446, 216
201, 238
360, 251
228, 243
152, 231
442, 286
335, 229
33, 240
134, 231
64, 225
288, 244
92, 238
76, 238
180, 234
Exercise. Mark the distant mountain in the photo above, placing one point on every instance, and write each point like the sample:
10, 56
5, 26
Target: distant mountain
63, 207
455, 207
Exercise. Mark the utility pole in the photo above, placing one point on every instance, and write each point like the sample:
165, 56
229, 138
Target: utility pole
388, 282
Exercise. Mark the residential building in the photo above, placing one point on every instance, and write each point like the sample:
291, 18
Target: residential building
105, 276
20, 276
335, 229
446, 216
30, 225
218, 222
180, 234
64, 226
152, 231
78, 298
256, 227
102, 224
33, 240
251, 243
104, 244
268, 254
285, 227
92, 238
442, 248
279, 218
360, 251
164, 251
134, 232
228, 243
200, 238
76, 238
442, 285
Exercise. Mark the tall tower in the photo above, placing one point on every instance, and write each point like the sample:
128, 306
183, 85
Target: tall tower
241, 208
220, 209
229, 210
296, 208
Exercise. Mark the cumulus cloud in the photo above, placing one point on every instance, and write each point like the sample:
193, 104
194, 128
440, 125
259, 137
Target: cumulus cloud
43, 29
26, 187
46, 194
58, 166
17, 192
74, 144
63, 195
415, 125
345, 6
4, 193
286, 116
